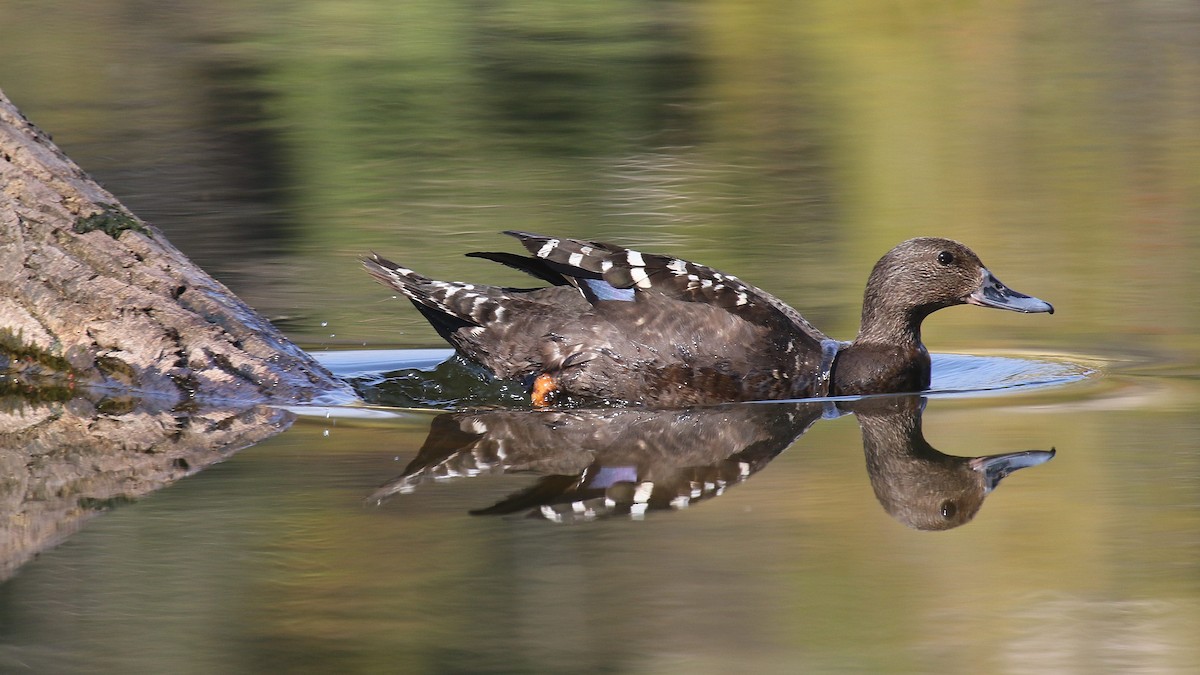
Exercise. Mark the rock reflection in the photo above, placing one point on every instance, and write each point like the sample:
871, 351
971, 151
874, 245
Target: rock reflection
626, 462
65, 461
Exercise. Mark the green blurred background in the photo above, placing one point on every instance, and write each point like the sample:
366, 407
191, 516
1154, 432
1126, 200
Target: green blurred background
791, 143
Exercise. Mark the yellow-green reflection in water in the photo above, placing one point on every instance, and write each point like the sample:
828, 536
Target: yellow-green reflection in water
790, 144
276, 560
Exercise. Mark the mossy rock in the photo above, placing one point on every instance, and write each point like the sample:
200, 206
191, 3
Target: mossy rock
112, 221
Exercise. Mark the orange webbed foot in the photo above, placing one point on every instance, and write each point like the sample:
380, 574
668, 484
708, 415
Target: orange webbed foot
543, 388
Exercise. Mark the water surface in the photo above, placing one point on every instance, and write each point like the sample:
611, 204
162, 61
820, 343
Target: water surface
789, 144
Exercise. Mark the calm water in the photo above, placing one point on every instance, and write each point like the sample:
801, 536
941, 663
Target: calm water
788, 143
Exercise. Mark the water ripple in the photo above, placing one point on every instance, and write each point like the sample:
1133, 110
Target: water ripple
973, 374
433, 378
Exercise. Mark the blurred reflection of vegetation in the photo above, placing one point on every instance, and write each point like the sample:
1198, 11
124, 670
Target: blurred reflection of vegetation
511, 114
790, 143
795, 144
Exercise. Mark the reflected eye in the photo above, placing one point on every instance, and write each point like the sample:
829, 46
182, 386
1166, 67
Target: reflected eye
948, 507
945, 257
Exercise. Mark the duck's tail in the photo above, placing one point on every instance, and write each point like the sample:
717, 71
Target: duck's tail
448, 305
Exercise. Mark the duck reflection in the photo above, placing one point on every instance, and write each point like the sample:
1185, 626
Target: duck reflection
914, 482
597, 463
625, 462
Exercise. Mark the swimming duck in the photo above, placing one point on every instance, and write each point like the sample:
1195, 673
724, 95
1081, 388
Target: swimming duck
620, 325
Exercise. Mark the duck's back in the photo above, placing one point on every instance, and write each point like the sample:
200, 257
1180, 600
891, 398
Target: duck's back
624, 325
658, 349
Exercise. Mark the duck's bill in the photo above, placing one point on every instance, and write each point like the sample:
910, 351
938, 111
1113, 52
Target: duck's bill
992, 293
995, 467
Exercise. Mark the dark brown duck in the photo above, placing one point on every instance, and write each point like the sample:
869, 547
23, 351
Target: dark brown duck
621, 325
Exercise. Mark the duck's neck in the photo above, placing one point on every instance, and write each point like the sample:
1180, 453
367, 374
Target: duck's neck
884, 324
871, 368
886, 357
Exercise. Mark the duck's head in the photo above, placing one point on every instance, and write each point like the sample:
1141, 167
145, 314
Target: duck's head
923, 275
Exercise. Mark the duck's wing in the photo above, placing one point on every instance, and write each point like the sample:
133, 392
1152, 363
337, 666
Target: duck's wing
608, 272
534, 267
585, 276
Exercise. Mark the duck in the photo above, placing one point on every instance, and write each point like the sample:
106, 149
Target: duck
618, 325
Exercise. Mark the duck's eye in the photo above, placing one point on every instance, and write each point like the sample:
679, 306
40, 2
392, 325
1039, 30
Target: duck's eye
949, 509
945, 257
